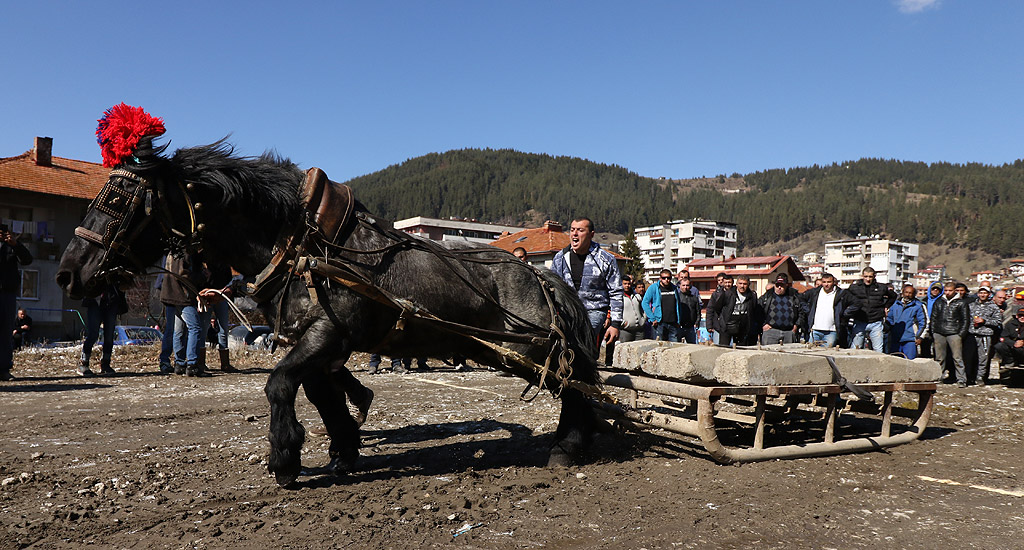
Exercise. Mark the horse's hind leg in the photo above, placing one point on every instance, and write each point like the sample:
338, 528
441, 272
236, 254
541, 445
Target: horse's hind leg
286, 434
575, 430
326, 390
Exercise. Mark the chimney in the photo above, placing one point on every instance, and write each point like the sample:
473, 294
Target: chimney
552, 227
42, 153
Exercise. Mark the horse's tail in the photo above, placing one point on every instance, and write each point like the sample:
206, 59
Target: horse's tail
575, 324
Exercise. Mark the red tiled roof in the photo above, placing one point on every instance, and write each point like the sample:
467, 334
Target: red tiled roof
738, 261
539, 240
65, 178
732, 266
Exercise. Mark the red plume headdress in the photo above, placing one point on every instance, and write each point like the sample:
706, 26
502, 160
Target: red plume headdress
121, 129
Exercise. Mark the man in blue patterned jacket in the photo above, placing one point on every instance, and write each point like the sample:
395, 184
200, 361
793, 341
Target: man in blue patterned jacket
595, 276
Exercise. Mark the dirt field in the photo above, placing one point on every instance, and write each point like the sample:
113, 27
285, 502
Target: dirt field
141, 460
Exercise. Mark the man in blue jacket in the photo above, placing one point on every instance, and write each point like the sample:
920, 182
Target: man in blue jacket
673, 313
907, 322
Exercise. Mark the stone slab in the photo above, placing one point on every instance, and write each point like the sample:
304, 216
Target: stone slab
691, 363
793, 364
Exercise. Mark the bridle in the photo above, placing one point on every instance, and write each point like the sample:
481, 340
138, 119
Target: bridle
123, 203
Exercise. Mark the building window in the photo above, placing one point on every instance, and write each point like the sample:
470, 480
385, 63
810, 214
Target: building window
30, 284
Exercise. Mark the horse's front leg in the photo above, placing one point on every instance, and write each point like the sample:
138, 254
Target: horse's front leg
326, 390
576, 426
311, 354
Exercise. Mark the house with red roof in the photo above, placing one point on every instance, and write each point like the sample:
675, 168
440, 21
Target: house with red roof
760, 269
542, 243
42, 200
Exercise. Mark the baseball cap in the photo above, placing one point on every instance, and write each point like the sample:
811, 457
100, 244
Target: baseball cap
1020, 311
782, 278
985, 289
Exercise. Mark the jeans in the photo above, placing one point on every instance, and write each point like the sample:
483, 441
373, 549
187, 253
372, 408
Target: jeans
688, 334
167, 344
774, 336
873, 331
666, 332
597, 318
222, 313
94, 316
829, 337
956, 349
196, 324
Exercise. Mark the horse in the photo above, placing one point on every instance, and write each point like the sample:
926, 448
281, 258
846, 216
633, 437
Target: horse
455, 299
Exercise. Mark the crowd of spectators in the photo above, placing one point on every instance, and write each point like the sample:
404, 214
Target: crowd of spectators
961, 330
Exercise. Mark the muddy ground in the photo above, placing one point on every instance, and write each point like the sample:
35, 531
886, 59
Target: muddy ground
140, 460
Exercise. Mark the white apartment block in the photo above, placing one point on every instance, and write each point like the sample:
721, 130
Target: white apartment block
893, 261
675, 244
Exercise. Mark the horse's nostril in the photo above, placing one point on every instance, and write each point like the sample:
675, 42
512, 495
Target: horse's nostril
64, 279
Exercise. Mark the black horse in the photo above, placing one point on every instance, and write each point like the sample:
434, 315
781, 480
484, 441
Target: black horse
240, 210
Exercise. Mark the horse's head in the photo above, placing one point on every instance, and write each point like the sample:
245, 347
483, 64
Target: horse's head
127, 225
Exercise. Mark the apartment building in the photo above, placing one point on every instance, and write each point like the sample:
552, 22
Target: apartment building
893, 261
675, 244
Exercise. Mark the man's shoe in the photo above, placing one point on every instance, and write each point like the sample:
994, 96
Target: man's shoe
979, 382
179, 369
85, 372
6, 376
107, 371
961, 384
166, 369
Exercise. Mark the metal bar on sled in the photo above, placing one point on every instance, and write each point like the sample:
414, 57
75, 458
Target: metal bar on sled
703, 426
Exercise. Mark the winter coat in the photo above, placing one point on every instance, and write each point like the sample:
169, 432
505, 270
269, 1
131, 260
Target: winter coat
601, 286
811, 306
633, 317
991, 318
903, 317
950, 317
724, 308
768, 299
10, 257
687, 306
867, 303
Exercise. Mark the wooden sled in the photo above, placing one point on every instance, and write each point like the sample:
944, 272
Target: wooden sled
807, 420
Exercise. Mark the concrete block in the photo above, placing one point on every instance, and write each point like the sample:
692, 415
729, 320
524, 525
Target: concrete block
628, 354
690, 363
766, 368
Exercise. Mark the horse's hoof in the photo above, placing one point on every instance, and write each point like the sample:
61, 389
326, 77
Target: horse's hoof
559, 457
363, 408
286, 481
339, 466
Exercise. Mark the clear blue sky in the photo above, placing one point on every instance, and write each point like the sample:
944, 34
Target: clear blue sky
675, 89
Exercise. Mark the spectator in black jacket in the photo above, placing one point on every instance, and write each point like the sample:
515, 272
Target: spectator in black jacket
12, 253
724, 283
866, 301
1011, 346
824, 311
783, 312
736, 314
950, 320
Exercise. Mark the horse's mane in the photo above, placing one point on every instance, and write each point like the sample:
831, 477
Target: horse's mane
264, 185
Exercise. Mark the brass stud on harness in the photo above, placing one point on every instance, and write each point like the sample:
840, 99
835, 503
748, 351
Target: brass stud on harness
201, 227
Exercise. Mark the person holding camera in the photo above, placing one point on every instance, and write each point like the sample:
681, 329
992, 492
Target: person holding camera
12, 253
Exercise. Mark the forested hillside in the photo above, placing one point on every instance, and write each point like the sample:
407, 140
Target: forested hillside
970, 205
